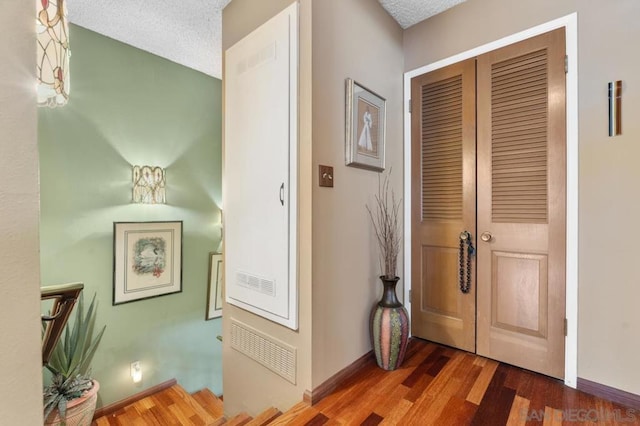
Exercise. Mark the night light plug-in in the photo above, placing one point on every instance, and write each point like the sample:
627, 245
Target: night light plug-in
136, 372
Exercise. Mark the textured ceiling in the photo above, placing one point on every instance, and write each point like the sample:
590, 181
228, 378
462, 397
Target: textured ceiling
189, 32
410, 12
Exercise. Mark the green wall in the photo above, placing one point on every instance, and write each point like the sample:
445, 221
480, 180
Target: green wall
130, 107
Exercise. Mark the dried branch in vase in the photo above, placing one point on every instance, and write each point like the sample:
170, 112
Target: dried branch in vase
385, 217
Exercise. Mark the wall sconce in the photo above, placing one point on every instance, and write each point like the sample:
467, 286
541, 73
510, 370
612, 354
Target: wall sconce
52, 53
219, 249
136, 372
149, 185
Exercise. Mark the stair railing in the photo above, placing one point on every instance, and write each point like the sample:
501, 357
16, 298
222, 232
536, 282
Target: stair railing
64, 298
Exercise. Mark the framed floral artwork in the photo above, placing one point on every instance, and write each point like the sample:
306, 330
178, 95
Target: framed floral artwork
365, 127
214, 292
147, 260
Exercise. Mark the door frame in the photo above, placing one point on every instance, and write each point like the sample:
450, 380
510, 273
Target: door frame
570, 23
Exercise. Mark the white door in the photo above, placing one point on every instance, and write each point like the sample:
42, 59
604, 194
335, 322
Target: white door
260, 167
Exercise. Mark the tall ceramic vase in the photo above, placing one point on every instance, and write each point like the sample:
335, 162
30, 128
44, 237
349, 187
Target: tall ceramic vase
389, 326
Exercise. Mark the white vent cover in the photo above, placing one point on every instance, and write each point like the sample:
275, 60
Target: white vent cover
272, 353
256, 283
259, 58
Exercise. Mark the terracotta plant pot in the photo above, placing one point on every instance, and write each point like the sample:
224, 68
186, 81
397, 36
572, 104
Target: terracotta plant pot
79, 411
389, 326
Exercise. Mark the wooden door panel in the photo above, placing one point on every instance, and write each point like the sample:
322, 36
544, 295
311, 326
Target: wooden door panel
443, 202
519, 302
440, 301
521, 203
440, 272
519, 316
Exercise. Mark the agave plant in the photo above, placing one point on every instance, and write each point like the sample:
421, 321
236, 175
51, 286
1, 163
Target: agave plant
70, 360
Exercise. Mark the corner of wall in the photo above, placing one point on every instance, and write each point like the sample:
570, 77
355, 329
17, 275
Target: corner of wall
21, 388
248, 386
356, 39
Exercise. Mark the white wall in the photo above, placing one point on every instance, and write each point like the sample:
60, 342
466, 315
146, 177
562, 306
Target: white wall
20, 356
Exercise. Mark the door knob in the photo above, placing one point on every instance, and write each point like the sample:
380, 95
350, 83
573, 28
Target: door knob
486, 237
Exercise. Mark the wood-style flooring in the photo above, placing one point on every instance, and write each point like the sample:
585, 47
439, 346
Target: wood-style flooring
439, 385
172, 406
436, 385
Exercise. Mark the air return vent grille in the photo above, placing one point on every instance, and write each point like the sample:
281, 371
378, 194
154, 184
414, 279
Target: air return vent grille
259, 58
273, 354
253, 282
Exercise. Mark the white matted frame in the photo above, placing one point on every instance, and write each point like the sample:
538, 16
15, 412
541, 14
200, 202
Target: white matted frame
147, 260
365, 122
214, 286
570, 23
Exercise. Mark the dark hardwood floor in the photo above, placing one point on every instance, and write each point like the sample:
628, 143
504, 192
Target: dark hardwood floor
436, 385
442, 386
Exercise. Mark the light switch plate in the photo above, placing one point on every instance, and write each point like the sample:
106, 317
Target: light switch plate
326, 176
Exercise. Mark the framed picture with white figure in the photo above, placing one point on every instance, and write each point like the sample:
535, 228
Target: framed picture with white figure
365, 127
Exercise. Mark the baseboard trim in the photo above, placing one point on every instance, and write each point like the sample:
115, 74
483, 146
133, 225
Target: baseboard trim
621, 397
119, 405
337, 379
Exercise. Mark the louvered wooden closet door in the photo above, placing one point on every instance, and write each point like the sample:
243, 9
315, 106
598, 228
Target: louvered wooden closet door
443, 202
521, 204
